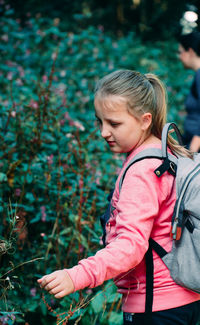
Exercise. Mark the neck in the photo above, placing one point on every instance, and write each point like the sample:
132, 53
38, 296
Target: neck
151, 139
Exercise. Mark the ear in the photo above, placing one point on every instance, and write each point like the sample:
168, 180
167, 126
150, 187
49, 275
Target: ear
192, 52
146, 120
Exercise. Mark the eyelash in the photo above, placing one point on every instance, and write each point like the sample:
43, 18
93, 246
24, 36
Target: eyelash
113, 124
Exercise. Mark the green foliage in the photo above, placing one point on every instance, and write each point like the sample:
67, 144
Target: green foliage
56, 172
150, 18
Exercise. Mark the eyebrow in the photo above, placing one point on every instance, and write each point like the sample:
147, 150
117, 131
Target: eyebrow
108, 120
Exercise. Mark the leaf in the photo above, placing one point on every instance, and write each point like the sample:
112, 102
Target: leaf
115, 318
29, 178
3, 177
97, 302
29, 196
65, 231
36, 219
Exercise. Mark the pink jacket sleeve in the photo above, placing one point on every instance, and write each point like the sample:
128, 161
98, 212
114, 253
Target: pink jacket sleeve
137, 206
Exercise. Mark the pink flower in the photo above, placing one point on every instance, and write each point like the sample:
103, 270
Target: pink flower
67, 117
68, 135
78, 125
97, 181
43, 213
28, 52
33, 292
33, 104
52, 301
13, 113
118, 169
17, 191
89, 291
44, 78
65, 166
50, 159
98, 177
19, 82
80, 183
79, 93
9, 76
88, 165
21, 71
101, 28
85, 99
42, 234
4, 37
54, 55
63, 73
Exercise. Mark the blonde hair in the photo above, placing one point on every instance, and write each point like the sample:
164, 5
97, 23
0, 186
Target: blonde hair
143, 93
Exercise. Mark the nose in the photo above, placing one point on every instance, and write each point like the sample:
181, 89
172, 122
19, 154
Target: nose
105, 133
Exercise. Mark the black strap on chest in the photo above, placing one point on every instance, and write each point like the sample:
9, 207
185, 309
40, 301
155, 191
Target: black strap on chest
153, 245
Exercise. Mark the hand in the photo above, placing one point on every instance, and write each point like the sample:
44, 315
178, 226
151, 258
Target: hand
195, 143
57, 283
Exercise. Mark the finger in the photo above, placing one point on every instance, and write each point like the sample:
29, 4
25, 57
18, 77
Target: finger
63, 292
46, 279
52, 284
56, 290
60, 294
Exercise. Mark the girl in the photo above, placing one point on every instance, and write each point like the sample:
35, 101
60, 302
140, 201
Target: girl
131, 111
189, 54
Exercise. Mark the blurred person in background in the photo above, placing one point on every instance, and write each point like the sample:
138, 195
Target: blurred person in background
189, 54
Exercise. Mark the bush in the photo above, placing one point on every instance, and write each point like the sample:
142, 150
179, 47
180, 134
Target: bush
55, 170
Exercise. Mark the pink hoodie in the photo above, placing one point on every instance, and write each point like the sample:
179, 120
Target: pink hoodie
143, 208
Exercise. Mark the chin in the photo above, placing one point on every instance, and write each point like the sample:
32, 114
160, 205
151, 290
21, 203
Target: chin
116, 150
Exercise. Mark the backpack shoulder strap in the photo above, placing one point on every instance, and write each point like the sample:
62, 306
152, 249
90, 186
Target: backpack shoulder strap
168, 164
165, 133
147, 153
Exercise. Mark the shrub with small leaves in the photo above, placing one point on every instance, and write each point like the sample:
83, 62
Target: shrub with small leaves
56, 172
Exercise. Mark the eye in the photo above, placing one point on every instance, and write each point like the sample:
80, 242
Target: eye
115, 124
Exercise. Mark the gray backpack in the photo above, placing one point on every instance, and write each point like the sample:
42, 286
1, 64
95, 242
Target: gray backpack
183, 260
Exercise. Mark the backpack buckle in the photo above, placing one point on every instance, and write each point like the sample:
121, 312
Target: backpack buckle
167, 165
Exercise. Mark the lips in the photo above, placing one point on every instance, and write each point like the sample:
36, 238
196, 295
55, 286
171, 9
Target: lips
111, 143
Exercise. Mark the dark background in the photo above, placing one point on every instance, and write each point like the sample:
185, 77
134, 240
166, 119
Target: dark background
151, 19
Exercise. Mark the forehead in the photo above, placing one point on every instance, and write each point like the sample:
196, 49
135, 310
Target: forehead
110, 103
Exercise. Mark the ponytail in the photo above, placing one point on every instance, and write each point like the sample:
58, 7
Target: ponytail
159, 120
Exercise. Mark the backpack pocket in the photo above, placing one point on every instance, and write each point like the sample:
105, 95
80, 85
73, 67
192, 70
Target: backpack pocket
184, 259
